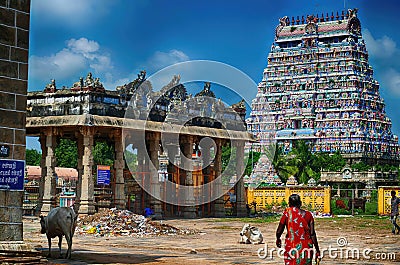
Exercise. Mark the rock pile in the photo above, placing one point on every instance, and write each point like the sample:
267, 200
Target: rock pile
113, 222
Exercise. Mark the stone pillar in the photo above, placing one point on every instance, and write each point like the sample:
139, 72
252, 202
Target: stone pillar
49, 186
141, 176
187, 163
219, 209
87, 187
153, 140
172, 152
42, 140
79, 141
170, 187
240, 191
14, 50
205, 156
119, 164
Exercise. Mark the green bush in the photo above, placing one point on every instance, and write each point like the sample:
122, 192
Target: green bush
371, 208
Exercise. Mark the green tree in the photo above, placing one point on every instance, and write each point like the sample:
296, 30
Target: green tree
298, 162
67, 153
327, 161
131, 160
33, 157
360, 166
103, 154
252, 160
282, 166
228, 161
302, 159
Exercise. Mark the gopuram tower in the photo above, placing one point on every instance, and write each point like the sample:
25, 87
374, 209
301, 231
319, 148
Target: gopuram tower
318, 86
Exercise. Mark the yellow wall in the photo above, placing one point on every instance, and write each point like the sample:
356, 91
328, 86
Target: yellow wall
384, 204
317, 197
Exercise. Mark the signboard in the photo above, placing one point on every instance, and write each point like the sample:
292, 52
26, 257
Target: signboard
103, 175
12, 174
4, 150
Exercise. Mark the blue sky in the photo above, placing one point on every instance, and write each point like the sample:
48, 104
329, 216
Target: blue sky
115, 39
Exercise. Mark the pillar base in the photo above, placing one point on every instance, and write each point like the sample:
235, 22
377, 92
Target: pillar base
219, 209
241, 210
86, 208
46, 206
13, 252
189, 212
156, 205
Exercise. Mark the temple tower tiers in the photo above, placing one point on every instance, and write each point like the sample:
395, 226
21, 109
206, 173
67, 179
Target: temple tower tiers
318, 86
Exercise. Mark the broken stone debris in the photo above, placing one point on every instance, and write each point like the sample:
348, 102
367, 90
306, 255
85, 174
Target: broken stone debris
114, 222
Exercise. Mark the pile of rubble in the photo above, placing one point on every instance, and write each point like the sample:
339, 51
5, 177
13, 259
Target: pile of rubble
113, 222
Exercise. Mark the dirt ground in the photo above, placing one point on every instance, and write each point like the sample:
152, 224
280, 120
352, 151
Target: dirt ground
217, 243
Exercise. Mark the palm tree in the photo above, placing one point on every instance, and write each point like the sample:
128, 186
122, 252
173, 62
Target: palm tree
302, 160
282, 166
297, 163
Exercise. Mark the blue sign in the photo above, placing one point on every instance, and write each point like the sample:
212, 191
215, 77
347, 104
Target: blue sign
103, 175
12, 174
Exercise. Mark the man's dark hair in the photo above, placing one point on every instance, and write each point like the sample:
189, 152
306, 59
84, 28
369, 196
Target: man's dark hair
393, 193
294, 201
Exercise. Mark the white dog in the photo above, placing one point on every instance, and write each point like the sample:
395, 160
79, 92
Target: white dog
250, 235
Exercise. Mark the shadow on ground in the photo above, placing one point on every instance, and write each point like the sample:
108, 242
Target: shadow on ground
82, 256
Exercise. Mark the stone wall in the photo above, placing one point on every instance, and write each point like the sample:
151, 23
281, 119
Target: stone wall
14, 46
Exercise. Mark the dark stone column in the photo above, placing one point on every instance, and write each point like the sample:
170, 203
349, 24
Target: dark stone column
186, 158
119, 165
153, 140
219, 209
79, 141
49, 186
87, 186
14, 50
239, 188
42, 140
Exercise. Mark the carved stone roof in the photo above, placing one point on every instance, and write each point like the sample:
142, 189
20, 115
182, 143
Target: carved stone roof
34, 124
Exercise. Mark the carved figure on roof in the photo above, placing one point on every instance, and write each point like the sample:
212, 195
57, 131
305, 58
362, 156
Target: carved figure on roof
352, 12
174, 82
284, 21
206, 92
51, 88
78, 83
97, 82
132, 87
311, 27
89, 81
310, 18
239, 105
149, 101
354, 24
142, 75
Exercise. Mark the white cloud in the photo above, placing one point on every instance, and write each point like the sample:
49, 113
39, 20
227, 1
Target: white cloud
383, 52
160, 59
79, 56
391, 80
382, 48
82, 55
71, 12
83, 46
